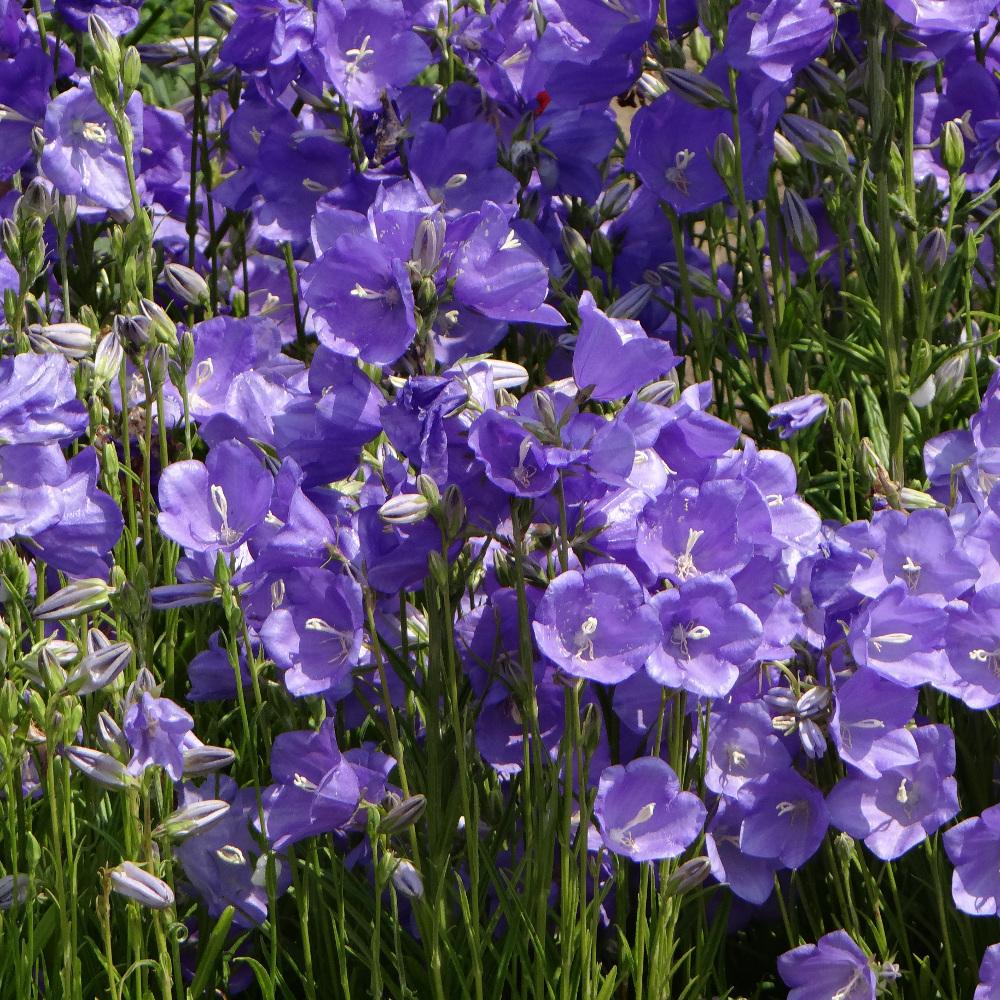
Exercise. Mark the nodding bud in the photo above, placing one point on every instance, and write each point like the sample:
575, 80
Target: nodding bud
688, 876
186, 283
182, 595
952, 147
695, 88
799, 223
206, 760
224, 17
576, 249
912, 499
100, 666
13, 890
131, 330
632, 303
132, 882
102, 768
453, 510
77, 598
192, 819
407, 879
72, 340
405, 508
661, 392
161, 327
108, 358
110, 735
785, 153
615, 200
813, 740
814, 701
817, 142
159, 359
403, 815
932, 251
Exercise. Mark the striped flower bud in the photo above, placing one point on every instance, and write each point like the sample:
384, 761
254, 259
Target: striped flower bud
132, 882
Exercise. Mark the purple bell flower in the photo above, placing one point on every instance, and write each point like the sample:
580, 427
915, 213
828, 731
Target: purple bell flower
214, 507
834, 968
786, 818
596, 624
904, 805
642, 813
155, 729
973, 847
38, 403
797, 414
989, 975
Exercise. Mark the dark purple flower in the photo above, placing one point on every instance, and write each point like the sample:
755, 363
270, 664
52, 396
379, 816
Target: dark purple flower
82, 155
904, 805
797, 414
973, 847
748, 877
596, 624
367, 46
155, 729
24, 95
121, 16
514, 458
834, 968
642, 813
214, 507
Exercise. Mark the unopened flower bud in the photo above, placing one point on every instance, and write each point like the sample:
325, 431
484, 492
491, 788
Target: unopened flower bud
99, 667
428, 489
632, 303
404, 815
576, 249
932, 251
407, 879
131, 881
36, 199
695, 88
192, 819
799, 224
816, 142
911, 499
106, 45
427, 243
785, 153
72, 340
223, 15
206, 760
102, 768
161, 327
724, 157
405, 508
110, 735
77, 598
159, 359
615, 200
108, 359
688, 876
186, 284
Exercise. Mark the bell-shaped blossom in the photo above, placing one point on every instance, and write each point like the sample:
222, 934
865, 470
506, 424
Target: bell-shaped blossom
786, 818
972, 642
315, 635
38, 403
742, 747
973, 847
214, 506
868, 723
614, 356
748, 877
596, 624
366, 47
642, 813
989, 975
688, 530
497, 276
834, 968
899, 636
82, 155
707, 636
904, 805
964, 16
155, 729
24, 94
514, 458
317, 790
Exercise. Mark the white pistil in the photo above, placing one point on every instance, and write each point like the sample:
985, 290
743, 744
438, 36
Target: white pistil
221, 505
685, 561
677, 174
511, 242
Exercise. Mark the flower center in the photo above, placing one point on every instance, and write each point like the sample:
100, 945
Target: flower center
94, 132
677, 174
685, 561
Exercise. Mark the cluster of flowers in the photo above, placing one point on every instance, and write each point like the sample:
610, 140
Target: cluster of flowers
410, 184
